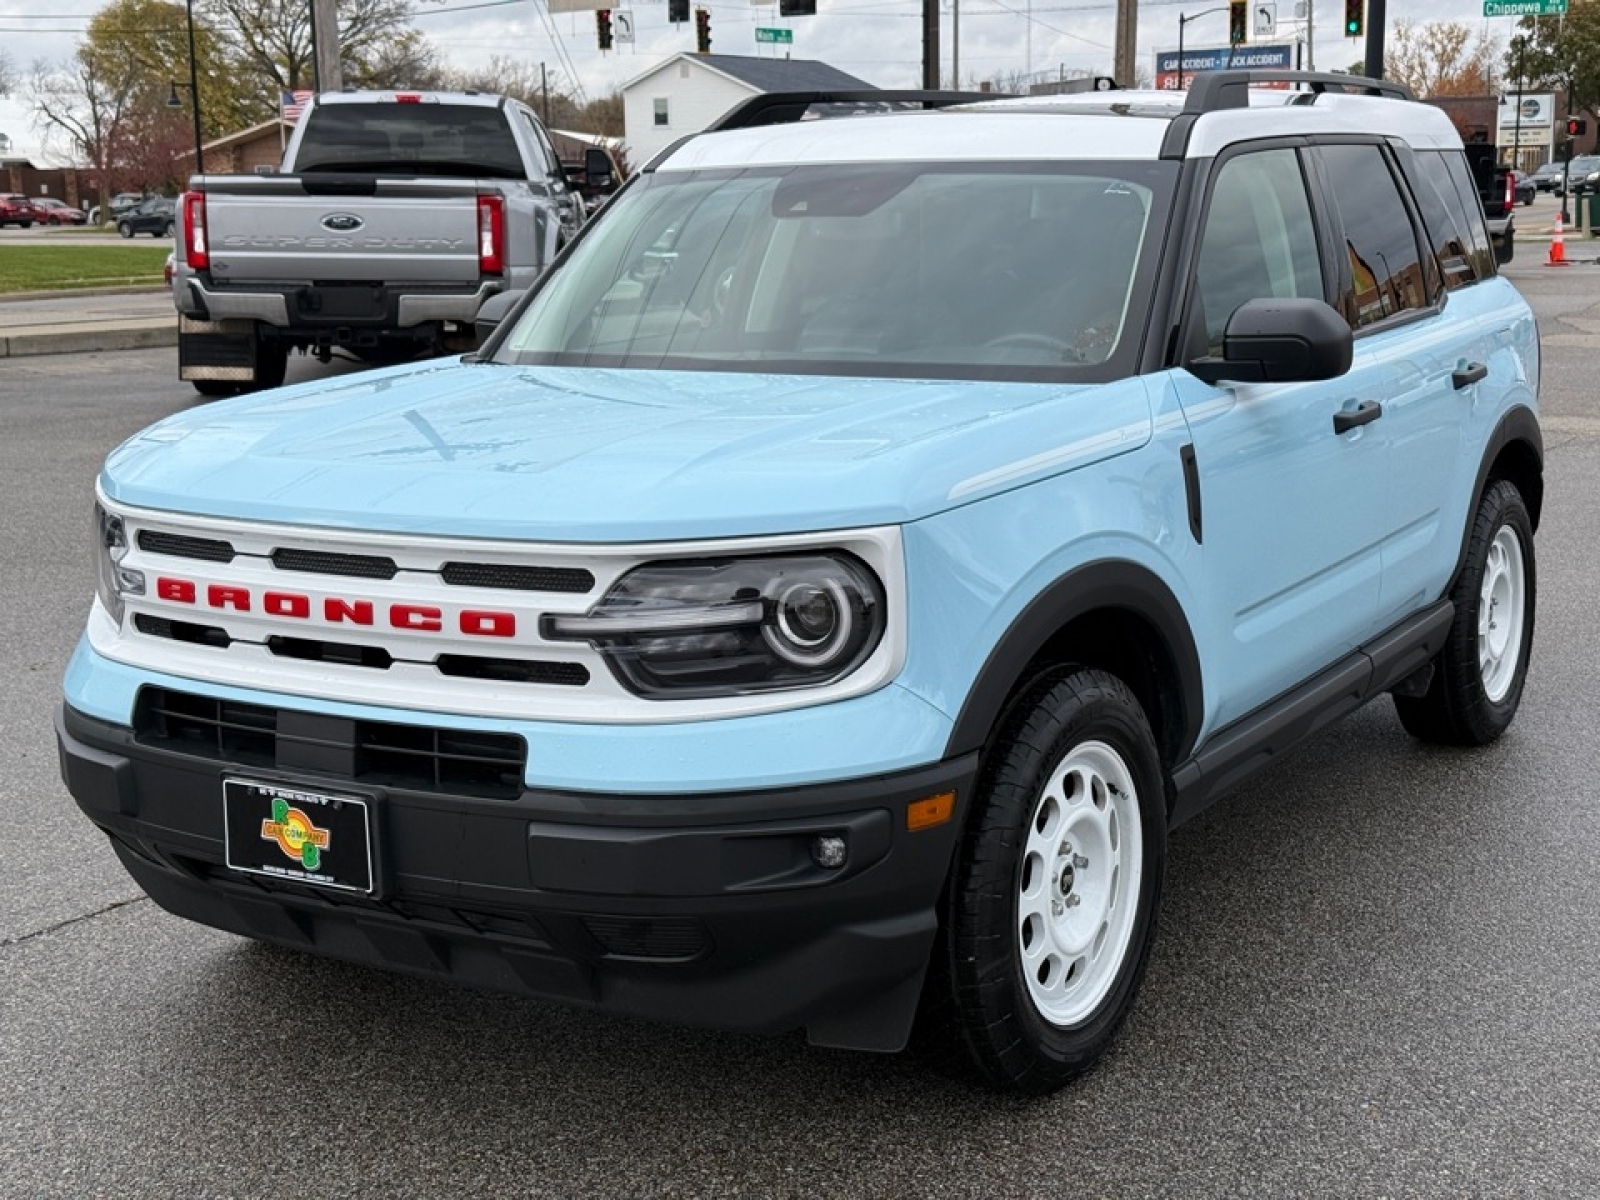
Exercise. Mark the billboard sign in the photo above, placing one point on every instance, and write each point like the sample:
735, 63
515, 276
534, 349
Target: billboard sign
1219, 58
1534, 110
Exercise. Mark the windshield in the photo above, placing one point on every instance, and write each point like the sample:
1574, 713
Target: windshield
965, 270
384, 138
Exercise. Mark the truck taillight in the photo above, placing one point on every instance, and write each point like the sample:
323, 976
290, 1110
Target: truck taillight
196, 249
491, 234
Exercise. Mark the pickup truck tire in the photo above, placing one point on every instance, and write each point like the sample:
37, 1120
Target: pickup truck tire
1056, 886
272, 363
1478, 677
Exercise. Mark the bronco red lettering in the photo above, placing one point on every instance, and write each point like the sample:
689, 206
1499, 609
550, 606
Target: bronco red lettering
488, 624
415, 616
357, 612
180, 591
218, 596
286, 604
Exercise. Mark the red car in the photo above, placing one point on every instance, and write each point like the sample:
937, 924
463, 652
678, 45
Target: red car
16, 209
58, 212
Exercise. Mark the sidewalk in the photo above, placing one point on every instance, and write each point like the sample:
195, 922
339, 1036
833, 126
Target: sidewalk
86, 322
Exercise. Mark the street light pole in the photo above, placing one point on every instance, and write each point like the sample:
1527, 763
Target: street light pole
194, 95
1182, 21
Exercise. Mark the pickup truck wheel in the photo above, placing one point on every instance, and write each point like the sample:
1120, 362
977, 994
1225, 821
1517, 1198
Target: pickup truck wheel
1478, 677
272, 363
1056, 886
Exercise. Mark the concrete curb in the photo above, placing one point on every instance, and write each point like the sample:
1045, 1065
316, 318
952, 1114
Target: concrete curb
138, 334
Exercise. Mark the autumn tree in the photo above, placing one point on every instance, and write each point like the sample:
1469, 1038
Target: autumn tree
1440, 58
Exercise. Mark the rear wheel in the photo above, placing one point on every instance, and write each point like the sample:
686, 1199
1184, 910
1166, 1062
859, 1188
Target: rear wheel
1479, 675
1055, 891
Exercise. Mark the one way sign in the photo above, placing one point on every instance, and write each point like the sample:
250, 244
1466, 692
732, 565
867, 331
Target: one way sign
1266, 24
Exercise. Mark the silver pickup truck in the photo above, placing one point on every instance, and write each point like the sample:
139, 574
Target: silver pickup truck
396, 216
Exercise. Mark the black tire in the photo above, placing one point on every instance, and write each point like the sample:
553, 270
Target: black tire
1007, 900
125, 229
1470, 702
272, 363
166, 230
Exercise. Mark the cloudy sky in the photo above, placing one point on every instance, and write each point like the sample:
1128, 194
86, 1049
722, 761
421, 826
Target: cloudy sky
876, 40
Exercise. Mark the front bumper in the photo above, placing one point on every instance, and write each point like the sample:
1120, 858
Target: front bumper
699, 909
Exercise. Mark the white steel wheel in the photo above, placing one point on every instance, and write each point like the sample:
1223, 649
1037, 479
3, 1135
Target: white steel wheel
1079, 882
1054, 893
1502, 609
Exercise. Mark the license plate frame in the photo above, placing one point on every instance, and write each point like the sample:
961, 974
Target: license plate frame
299, 835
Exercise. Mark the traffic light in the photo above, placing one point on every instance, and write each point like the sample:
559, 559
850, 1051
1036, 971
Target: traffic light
797, 8
602, 27
1577, 127
1238, 20
677, 11
702, 30
1355, 17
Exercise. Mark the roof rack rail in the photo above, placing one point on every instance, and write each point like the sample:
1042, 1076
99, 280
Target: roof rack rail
783, 108
1214, 90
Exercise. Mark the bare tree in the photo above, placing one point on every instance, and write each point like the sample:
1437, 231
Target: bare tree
8, 78
89, 103
273, 44
1440, 58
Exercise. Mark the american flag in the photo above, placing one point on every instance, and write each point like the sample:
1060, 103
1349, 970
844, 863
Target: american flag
294, 103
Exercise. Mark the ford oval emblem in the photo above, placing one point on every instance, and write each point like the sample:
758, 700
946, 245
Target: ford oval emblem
342, 222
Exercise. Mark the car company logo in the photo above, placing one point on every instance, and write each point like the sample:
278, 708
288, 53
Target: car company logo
342, 222
295, 834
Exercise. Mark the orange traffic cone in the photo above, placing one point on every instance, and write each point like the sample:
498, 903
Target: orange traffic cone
1558, 247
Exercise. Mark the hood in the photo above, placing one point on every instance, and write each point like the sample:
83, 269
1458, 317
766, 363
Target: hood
569, 454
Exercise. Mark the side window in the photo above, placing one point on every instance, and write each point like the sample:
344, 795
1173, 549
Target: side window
1386, 275
540, 148
1467, 192
1447, 223
1260, 241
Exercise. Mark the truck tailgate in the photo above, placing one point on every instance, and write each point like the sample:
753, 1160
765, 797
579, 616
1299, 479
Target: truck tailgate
342, 228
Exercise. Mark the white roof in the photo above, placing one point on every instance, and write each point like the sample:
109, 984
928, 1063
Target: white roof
1090, 125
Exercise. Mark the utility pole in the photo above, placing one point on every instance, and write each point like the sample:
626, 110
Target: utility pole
325, 36
544, 86
1377, 14
1125, 42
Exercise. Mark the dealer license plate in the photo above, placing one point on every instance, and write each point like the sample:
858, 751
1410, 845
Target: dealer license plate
289, 833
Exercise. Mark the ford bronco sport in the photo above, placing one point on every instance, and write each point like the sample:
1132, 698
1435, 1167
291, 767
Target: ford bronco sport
817, 602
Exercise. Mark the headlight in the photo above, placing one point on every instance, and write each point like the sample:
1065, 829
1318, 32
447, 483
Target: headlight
113, 581
679, 630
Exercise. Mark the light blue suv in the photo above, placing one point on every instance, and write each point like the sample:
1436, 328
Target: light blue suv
816, 603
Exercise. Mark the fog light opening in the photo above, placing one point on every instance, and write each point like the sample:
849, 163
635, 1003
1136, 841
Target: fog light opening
829, 851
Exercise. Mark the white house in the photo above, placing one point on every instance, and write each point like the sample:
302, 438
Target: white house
687, 92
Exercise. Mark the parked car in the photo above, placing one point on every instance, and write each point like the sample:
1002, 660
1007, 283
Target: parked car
58, 212
826, 590
17, 209
120, 203
154, 216
1523, 183
1582, 174
1548, 177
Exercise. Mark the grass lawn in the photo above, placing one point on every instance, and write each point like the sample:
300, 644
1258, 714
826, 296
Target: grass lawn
48, 268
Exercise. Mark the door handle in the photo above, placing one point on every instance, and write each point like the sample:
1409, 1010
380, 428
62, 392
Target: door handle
1362, 414
1468, 375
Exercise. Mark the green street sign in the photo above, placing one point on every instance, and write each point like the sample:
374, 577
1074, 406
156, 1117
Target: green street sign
786, 36
1524, 8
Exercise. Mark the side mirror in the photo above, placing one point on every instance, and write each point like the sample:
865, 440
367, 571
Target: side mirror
1280, 341
493, 311
598, 170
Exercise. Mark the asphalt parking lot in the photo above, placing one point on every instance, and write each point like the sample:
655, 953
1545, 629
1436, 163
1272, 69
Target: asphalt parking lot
1378, 972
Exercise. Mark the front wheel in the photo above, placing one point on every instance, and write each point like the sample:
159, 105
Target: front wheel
1055, 891
166, 231
125, 229
1478, 677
